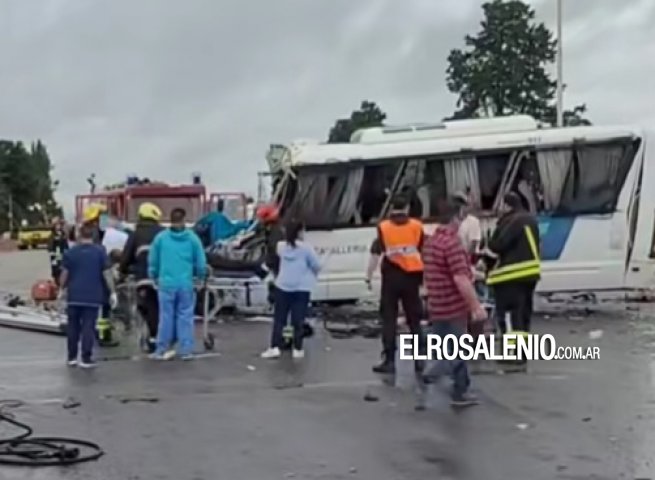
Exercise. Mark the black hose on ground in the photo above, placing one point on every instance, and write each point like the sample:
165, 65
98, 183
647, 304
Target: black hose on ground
24, 450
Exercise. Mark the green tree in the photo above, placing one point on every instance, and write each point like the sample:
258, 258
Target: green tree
26, 185
368, 115
503, 70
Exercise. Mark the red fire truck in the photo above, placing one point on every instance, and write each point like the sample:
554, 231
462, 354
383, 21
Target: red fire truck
123, 201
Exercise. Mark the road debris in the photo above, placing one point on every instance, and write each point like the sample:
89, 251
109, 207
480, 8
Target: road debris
371, 397
596, 334
71, 403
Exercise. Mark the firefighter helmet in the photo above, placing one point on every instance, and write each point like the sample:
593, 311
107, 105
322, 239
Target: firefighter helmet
93, 211
149, 211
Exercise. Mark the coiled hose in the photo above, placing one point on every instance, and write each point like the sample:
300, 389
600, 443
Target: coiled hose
23, 450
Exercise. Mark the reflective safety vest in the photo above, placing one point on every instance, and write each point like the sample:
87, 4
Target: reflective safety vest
401, 244
519, 270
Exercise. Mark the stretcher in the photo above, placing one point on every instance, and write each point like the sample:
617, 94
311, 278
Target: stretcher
47, 318
216, 292
224, 289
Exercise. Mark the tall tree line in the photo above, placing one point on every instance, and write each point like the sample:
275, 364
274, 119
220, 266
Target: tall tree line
26, 185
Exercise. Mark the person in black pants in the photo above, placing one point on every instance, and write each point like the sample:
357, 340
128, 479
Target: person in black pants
57, 247
515, 244
135, 260
399, 243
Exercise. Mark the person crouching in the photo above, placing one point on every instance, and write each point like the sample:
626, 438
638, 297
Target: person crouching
299, 266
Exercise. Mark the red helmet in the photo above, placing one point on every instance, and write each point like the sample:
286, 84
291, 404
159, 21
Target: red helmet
268, 213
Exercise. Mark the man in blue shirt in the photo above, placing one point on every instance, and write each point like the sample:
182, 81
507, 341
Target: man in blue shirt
220, 226
87, 278
175, 259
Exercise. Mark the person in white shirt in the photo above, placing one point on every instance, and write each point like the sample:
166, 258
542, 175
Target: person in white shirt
470, 231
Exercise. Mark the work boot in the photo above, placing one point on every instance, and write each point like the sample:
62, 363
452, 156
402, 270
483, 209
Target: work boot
387, 366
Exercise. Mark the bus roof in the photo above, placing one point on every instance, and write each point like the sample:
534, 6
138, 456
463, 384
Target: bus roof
301, 154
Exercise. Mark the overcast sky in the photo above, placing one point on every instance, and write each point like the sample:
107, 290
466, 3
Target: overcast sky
162, 88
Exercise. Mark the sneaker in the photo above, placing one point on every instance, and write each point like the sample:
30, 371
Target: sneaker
273, 352
161, 357
298, 354
187, 358
169, 355
465, 400
72, 363
88, 364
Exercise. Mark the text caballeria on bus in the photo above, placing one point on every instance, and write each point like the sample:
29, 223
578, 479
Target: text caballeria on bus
342, 250
509, 347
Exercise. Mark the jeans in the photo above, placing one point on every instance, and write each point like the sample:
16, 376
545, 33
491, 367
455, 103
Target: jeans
176, 316
296, 305
456, 368
81, 326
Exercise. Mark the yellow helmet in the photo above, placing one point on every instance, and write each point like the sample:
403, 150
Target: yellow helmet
92, 212
149, 211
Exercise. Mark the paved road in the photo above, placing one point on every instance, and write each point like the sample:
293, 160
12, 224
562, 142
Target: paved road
237, 417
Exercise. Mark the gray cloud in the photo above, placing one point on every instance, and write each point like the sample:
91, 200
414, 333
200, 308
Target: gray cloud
163, 88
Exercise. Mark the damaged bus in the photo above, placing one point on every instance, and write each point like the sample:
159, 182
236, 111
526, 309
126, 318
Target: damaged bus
583, 183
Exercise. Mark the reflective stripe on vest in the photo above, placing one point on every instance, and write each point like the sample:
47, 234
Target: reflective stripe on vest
519, 270
401, 244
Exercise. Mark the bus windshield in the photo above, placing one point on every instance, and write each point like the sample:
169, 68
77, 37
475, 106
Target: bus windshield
191, 204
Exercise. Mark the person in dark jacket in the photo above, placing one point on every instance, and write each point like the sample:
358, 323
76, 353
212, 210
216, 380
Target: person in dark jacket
57, 246
515, 244
135, 260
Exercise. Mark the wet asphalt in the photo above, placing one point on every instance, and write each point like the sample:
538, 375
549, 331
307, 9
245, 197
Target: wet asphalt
230, 415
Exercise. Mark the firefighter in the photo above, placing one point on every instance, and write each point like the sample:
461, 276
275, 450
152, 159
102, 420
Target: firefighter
269, 217
135, 260
515, 244
93, 216
399, 243
57, 246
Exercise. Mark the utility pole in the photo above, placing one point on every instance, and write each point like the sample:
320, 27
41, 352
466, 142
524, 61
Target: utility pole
560, 83
10, 212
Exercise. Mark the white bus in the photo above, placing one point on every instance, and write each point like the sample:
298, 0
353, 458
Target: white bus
593, 189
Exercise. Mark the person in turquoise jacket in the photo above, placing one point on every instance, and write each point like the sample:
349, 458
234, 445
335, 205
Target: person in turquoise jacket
219, 225
176, 258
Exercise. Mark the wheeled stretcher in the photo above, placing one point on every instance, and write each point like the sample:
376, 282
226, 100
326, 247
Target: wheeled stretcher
219, 290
